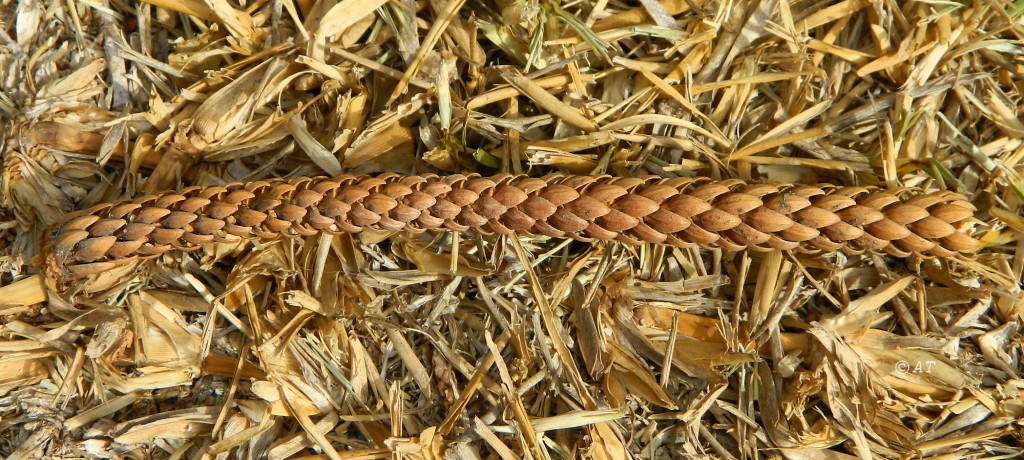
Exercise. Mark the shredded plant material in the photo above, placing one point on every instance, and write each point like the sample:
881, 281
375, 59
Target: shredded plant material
401, 334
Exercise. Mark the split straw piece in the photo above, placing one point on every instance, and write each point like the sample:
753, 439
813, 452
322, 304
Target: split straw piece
682, 212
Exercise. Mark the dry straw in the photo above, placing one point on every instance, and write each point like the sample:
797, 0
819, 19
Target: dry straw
875, 317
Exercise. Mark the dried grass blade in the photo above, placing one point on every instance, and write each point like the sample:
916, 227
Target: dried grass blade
500, 94
24, 292
548, 102
318, 153
239, 23
830, 14
653, 118
554, 328
195, 8
344, 14
437, 28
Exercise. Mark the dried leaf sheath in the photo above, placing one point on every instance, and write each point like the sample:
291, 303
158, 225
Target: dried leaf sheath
730, 214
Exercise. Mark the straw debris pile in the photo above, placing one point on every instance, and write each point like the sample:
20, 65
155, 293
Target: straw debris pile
398, 339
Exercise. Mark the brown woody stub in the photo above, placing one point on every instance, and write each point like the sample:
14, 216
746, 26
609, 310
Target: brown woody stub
682, 212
